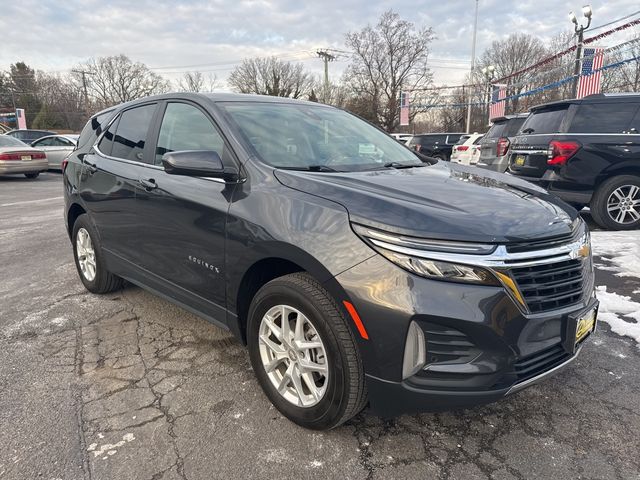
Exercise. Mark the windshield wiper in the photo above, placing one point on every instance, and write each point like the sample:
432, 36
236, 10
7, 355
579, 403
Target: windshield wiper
402, 165
311, 168
528, 130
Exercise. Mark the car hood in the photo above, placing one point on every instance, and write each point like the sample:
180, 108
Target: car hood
442, 201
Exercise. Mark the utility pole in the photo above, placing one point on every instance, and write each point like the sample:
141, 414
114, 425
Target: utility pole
84, 74
473, 66
579, 31
326, 58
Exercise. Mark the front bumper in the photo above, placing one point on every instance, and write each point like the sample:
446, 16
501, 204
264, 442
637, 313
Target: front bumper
480, 346
29, 166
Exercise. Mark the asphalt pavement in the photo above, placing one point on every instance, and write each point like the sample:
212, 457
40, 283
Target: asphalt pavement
128, 386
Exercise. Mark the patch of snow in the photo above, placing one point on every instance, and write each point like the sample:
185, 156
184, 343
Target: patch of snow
110, 448
612, 306
316, 464
59, 321
622, 249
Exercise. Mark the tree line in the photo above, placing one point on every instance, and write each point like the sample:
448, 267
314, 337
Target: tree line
386, 59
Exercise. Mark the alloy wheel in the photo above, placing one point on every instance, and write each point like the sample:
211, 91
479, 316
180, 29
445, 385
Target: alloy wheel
623, 205
86, 254
293, 356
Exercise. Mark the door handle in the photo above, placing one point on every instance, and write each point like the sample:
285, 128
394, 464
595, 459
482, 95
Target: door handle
148, 184
92, 167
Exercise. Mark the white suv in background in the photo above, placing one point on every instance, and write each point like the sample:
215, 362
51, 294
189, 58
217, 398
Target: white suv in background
466, 151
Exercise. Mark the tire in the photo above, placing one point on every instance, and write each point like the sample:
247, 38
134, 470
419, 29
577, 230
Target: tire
616, 192
101, 281
32, 175
344, 392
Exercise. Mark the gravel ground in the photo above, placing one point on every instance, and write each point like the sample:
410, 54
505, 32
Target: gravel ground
128, 386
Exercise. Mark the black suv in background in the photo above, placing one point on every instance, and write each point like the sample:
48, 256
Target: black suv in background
354, 271
436, 145
587, 152
494, 146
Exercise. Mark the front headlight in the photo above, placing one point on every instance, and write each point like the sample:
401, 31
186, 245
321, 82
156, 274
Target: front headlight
403, 251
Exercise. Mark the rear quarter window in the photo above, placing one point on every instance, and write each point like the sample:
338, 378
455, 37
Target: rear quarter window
513, 126
94, 128
496, 130
544, 121
603, 118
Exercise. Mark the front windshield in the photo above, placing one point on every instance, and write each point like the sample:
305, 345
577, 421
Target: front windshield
8, 141
316, 138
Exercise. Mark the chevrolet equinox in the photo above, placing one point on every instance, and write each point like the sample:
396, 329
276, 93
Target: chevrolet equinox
355, 270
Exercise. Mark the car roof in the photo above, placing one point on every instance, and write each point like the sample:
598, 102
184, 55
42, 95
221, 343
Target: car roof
441, 133
506, 118
30, 130
591, 99
71, 136
215, 98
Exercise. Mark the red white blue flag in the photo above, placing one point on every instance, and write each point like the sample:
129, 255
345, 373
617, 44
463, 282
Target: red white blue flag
496, 108
590, 75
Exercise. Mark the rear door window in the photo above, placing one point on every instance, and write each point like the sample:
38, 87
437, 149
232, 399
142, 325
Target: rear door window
544, 121
603, 118
131, 133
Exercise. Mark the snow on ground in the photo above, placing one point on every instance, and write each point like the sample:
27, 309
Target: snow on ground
621, 250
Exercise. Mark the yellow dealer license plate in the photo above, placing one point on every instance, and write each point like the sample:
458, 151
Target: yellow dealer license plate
519, 161
25, 157
585, 325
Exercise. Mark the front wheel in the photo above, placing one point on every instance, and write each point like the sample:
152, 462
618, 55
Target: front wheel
616, 203
304, 354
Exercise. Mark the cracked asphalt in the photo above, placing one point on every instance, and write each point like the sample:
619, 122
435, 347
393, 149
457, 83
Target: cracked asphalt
128, 386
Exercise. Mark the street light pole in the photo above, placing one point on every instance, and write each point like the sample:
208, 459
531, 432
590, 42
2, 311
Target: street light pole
488, 73
473, 66
579, 31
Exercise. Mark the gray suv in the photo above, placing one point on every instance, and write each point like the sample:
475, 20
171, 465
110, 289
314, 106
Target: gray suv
495, 144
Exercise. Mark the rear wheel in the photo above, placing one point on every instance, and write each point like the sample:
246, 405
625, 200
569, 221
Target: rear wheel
616, 203
303, 353
32, 175
88, 257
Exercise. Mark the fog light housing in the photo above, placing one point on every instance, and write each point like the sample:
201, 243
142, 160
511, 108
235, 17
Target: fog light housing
415, 351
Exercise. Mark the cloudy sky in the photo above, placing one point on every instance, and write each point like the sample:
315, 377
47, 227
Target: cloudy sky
214, 35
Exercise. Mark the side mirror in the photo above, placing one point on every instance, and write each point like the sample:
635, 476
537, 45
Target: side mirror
197, 163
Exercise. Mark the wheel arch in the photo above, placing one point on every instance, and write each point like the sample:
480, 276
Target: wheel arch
626, 169
267, 267
75, 210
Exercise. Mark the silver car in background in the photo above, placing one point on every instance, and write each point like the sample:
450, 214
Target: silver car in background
57, 148
495, 144
16, 157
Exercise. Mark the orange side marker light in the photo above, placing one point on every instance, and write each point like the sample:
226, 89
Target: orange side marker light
356, 319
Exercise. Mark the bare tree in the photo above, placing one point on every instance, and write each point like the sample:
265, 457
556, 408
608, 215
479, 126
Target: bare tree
197, 82
509, 57
388, 58
270, 76
117, 79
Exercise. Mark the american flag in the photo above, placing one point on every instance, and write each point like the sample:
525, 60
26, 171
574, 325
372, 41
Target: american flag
496, 108
589, 81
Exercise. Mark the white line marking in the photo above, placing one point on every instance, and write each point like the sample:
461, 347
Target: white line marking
31, 201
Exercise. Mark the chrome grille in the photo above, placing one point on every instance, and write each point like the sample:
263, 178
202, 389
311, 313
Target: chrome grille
550, 286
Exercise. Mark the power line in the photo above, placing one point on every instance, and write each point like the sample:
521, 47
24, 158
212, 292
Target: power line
615, 21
